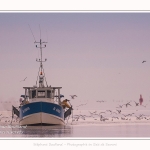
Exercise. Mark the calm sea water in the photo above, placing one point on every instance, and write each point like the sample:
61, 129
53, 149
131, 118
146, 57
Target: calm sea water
83, 124
90, 131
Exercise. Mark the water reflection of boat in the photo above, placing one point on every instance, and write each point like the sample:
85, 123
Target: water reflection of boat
46, 131
40, 104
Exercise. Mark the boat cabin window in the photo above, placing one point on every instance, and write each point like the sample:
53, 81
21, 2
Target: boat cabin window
41, 94
48, 94
52, 93
33, 93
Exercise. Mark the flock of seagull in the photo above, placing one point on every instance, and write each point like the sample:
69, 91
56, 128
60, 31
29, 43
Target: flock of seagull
117, 114
107, 115
8, 119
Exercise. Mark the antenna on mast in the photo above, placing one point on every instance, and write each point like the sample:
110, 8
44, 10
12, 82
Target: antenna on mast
41, 43
41, 69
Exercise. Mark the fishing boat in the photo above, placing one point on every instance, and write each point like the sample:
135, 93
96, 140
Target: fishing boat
41, 104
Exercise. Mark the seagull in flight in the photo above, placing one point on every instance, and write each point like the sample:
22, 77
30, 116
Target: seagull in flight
23, 79
81, 105
127, 104
144, 105
137, 104
72, 96
109, 111
100, 101
120, 106
143, 61
119, 111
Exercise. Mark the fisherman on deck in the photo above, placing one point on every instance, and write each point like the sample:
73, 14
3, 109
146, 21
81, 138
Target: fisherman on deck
65, 104
23, 101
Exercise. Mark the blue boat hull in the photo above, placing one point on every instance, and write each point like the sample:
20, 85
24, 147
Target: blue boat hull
41, 113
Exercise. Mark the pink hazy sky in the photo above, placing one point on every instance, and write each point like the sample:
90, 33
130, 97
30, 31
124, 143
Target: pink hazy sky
97, 56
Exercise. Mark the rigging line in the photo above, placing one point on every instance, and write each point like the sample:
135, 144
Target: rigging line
45, 77
40, 31
32, 33
38, 53
37, 76
47, 35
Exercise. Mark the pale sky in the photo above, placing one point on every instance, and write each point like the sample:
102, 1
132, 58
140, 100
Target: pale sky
97, 56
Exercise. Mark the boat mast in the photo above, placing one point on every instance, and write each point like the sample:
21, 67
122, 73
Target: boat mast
41, 75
